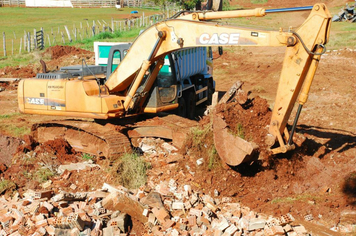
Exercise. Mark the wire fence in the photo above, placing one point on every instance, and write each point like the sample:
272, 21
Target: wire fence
78, 3
38, 39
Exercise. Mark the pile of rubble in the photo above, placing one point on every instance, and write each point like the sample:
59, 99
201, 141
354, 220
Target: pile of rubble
166, 210
348, 13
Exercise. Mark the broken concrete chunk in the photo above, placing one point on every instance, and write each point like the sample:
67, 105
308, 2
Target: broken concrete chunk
168, 148
123, 222
75, 166
256, 223
64, 196
178, 205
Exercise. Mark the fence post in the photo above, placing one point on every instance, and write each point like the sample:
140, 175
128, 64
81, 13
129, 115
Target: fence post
20, 45
24, 41
4, 44
68, 33
49, 40
34, 38
39, 40
43, 36
112, 25
63, 38
28, 42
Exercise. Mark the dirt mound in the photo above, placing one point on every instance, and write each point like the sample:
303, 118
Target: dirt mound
61, 149
8, 147
28, 71
245, 118
35, 163
60, 51
248, 121
59, 56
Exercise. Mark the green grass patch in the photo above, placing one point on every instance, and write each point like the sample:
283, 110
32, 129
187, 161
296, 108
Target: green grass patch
43, 174
16, 20
240, 131
9, 116
342, 35
259, 1
117, 36
15, 131
6, 185
131, 170
87, 156
214, 159
201, 141
302, 198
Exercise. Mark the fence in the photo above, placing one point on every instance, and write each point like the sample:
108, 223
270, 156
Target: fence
38, 39
12, 3
77, 3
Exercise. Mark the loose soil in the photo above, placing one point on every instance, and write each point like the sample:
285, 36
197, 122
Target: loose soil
58, 56
317, 178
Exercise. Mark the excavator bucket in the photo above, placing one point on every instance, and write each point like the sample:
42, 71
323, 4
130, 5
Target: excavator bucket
232, 149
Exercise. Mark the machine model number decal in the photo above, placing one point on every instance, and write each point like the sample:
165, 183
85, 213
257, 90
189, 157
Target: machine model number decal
254, 34
219, 39
36, 101
55, 86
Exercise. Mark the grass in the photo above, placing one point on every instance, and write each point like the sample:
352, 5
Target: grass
202, 143
87, 44
6, 185
198, 135
342, 35
16, 131
16, 20
214, 159
9, 116
87, 156
43, 174
124, 36
259, 1
240, 131
131, 170
301, 197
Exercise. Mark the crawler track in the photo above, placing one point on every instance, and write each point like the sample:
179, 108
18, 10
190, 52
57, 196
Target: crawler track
84, 136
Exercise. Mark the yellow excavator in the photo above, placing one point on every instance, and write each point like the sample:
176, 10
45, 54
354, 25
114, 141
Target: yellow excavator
127, 91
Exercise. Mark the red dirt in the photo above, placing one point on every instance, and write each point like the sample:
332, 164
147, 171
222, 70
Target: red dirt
248, 121
59, 56
8, 147
60, 51
317, 178
61, 149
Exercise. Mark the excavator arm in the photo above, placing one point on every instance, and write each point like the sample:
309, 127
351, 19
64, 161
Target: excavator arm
304, 47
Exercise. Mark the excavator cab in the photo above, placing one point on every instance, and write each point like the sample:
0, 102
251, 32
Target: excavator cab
165, 89
116, 55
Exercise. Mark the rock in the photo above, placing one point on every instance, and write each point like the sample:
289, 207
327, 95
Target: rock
123, 203
153, 199
75, 166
